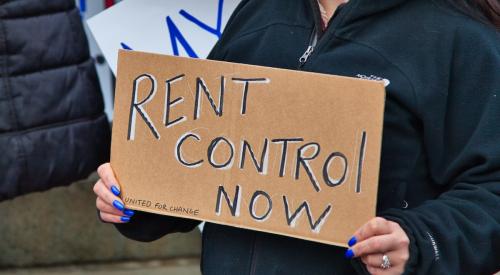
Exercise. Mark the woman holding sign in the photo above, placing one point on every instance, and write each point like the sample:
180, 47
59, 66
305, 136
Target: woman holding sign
439, 191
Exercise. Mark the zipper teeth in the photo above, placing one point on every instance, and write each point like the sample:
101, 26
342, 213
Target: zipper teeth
310, 48
306, 54
313, 41
253, 260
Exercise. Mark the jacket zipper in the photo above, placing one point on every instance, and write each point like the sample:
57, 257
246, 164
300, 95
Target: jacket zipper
313, 40
253, 261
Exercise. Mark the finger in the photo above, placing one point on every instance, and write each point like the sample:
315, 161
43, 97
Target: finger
395, 258
378, 270
104, 207
108, 177
107, 196
374, 270
371, 259
107, 217
375, 245
108, 208
374, 227
375, 260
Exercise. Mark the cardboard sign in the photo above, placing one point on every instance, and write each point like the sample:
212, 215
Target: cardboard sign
177, 27
280, 151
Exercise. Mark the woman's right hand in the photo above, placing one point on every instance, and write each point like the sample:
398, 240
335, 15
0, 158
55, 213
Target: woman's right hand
110, 206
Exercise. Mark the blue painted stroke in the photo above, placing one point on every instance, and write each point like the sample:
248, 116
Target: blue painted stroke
125, 46
82, 7
176, 35
217, 30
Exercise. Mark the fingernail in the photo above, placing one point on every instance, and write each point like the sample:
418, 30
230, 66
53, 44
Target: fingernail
349, 254
125, 219
115, 190
128, 212
352, 241
118, 205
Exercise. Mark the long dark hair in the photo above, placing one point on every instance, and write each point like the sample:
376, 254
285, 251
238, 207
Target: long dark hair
487, 11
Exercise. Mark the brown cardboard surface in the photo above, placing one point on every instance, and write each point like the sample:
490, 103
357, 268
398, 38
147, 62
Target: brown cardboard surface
335, 123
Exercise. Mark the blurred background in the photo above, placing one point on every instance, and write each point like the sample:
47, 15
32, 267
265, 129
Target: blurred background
57, 231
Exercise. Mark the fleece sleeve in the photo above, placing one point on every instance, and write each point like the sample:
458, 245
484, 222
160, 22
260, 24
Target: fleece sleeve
147, 227
459, 231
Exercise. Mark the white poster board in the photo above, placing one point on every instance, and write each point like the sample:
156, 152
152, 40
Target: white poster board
173, 27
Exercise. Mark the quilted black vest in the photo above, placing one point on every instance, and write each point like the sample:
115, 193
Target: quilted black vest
53, 130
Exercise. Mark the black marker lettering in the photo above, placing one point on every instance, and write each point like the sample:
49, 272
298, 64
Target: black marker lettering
304, 161
247, 82
285, 142
326, 176
138, 107
201, 85
178, 150
169, 104
360, 161
260, 166
234, 207
291, 219
253, 201
210, 153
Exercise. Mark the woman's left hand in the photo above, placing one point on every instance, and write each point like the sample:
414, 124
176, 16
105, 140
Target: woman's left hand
377, 238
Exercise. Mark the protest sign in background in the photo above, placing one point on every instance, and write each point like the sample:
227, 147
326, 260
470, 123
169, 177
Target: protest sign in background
182, 28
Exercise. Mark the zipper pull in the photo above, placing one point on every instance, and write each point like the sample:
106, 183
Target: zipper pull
305, 56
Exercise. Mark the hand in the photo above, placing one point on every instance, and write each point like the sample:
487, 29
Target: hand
110, 206
380, 237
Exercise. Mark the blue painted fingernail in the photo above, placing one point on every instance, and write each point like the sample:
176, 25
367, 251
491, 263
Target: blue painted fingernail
128, 212
125, 219
115, 190
118, 205
349, 254
352, 241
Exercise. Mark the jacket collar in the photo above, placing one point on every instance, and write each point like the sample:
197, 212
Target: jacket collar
357, 10
365, 8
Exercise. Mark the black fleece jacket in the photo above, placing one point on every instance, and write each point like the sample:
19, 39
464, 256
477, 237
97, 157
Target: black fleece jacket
440, 170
